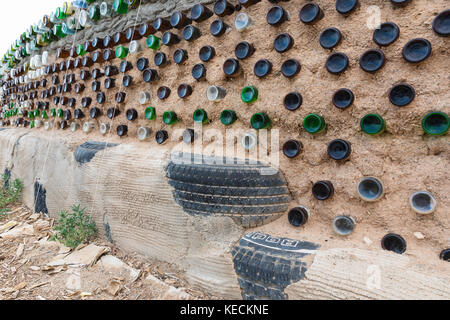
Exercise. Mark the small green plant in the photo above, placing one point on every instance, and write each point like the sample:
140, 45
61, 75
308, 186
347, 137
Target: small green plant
9, 193
3, 213
72, 229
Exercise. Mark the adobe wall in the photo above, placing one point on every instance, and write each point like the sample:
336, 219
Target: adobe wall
125, 190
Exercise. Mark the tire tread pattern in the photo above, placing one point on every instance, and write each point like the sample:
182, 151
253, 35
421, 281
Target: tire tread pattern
264, 269
251, 194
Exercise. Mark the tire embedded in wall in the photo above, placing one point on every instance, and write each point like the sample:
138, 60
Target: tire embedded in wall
251, 194
40, 199
266, 265
87, 151
6, 177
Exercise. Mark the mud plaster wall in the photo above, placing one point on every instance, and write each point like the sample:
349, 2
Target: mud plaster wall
402, 158
133, 206
138, 213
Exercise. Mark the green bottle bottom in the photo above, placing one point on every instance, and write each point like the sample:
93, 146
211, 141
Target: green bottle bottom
81, 51
153, 42
260, 121
120, 6
249, 94
200, 116
314, 123
372, 124
121, 52
150, 113
170, 117
228, 117
436, 123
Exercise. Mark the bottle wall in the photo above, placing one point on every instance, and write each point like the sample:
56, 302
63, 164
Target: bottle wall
403, 158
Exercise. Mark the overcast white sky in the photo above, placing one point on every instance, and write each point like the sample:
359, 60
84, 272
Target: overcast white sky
31, 11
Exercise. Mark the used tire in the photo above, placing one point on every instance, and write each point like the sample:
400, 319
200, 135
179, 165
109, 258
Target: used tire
251, 193
87, 151
266, 265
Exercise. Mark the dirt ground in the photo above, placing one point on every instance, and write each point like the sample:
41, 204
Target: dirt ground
26, 271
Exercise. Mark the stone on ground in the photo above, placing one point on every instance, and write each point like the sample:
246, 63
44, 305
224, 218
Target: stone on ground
16, 232
87, 256
115, 265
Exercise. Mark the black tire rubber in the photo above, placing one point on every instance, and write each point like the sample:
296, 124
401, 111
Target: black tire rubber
266, 265
87, 151
236, 189
40, 199
6, 178
230, 209
228, 191
227, 200
237, 176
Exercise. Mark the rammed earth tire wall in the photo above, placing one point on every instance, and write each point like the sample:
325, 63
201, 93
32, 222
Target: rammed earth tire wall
126, 191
